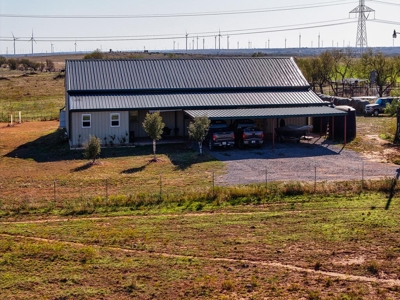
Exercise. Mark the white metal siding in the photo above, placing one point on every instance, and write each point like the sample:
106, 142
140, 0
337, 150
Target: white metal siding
100, 127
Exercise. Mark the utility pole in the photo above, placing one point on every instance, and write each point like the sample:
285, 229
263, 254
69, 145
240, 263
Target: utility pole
285, 43
300, 40
268, 43
187, 34
361, 9
197, 42
75, 46
204, 42
227, 42
174, 45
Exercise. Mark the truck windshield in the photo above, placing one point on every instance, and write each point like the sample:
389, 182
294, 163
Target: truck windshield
379, 101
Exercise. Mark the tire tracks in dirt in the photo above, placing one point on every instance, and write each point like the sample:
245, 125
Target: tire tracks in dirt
59, 220
346, 277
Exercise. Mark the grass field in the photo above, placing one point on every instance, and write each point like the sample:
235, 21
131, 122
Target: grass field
37, 95
245, 242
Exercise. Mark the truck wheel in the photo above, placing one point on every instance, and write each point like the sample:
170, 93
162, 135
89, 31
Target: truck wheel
376, 113
210, 145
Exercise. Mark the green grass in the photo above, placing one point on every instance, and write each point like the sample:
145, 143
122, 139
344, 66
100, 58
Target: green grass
38, 96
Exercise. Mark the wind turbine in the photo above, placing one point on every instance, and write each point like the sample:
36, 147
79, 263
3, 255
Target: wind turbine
32, 40
14, 38
75, 45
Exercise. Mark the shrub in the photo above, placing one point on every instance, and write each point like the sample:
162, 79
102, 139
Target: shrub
92, 148
96, 54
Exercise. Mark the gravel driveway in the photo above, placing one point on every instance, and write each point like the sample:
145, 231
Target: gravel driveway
291, 161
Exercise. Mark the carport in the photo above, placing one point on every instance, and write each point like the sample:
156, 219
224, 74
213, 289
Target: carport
272, 113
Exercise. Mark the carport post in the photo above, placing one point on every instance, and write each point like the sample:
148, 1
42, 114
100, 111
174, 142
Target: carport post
333, 128
320, 126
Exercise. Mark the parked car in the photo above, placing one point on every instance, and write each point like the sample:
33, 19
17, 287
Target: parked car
219, 135
378, 107
247, 134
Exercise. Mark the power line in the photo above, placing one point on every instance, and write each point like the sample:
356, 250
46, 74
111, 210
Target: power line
202, 34
176, 15
385, 2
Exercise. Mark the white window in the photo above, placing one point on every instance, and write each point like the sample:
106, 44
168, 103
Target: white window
114, 120
86, 121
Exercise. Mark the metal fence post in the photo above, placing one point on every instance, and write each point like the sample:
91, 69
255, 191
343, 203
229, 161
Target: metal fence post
107, 189
213, 183
362, 176
55, 194
315, 178
160, 186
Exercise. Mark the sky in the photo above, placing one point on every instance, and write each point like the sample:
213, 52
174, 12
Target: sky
137, 25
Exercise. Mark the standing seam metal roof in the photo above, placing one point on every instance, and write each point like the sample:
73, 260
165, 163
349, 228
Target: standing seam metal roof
170, 74
192, 100
267, 113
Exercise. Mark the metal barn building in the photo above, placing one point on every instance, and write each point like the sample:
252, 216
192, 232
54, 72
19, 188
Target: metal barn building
110, 98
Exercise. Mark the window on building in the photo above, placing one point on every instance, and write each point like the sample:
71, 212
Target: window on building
86, 121
114, 120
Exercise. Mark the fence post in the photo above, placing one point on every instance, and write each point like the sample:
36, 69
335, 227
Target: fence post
160, 186
55, 194
107, 189
213, 184
266, 178
362, 176
315, 178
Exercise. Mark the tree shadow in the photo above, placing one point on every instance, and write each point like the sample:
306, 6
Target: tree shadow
83, 168
135, 170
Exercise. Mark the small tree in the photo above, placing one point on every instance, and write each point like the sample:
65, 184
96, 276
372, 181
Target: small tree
92, 148
198, 130
153, 125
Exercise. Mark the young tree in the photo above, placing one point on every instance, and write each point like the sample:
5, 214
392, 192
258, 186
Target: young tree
198, 130
153, 125
92, 148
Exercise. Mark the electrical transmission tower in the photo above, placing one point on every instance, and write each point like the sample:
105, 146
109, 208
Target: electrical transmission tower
361, 9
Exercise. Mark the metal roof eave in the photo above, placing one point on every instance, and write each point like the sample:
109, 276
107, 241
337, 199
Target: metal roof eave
191, 91
267, 113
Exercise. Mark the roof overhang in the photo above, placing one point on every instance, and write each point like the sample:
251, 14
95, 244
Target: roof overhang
193, 101
267, 113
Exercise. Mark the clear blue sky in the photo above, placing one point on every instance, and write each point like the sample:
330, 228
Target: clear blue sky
285, 14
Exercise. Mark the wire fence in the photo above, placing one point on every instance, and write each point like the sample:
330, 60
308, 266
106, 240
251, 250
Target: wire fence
25, 116
136, 191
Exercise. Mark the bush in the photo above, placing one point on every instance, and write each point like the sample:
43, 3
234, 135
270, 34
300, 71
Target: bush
92, 148
13, 63
96, 54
